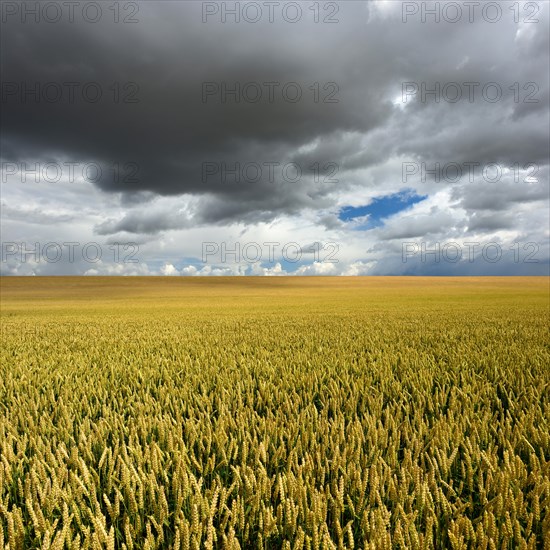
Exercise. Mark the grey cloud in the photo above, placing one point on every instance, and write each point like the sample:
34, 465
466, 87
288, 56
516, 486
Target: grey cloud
170, 132
418, 225
34, 215
144, 222
490, 222
501, 195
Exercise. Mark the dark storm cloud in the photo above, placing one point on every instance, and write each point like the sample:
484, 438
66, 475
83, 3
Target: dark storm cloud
169, 133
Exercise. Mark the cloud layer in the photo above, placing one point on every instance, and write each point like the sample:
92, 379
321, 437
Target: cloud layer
237, 132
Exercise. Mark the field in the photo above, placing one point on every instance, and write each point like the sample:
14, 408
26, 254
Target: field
275, 413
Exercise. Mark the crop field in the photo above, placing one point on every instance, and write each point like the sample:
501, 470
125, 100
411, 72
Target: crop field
294, 413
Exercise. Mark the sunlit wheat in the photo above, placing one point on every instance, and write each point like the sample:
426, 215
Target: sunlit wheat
276, 417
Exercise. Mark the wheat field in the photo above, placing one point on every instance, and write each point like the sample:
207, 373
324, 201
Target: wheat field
294, 413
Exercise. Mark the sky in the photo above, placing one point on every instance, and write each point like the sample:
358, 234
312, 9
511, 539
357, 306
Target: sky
275, 138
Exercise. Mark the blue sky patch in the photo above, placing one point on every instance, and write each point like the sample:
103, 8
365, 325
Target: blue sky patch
381, 208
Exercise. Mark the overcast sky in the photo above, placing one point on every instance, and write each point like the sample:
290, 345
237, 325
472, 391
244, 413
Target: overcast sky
348, 138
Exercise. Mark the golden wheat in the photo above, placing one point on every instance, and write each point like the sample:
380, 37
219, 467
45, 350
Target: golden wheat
308, 414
